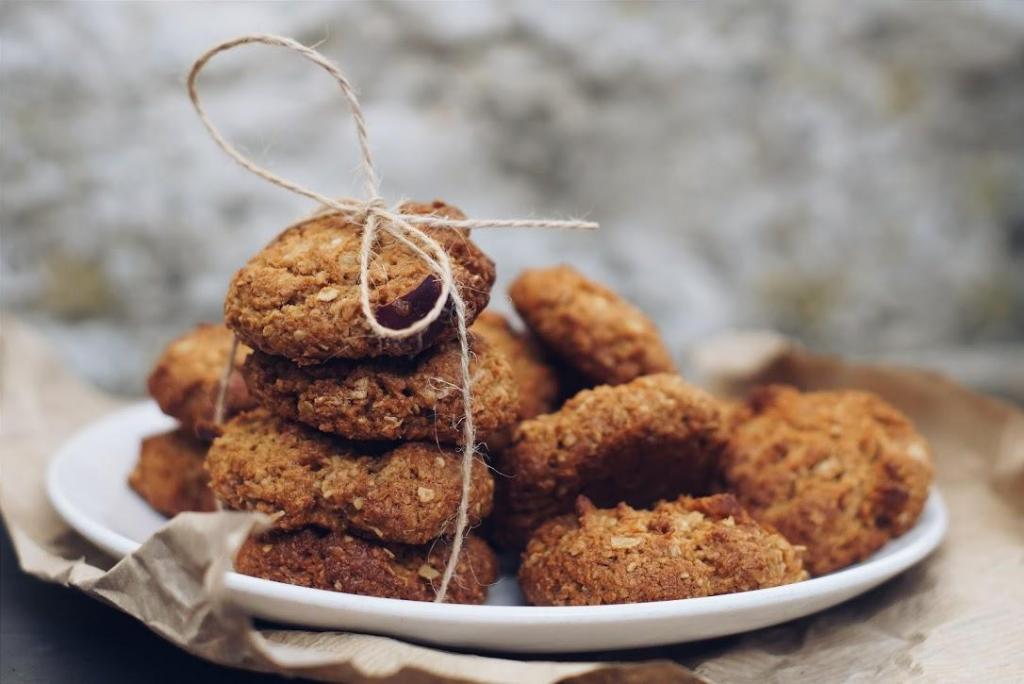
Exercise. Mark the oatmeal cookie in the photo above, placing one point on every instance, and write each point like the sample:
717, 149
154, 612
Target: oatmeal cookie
839, 472
186, 377
169, 474
607, 339
680, 549
299, 296
407, 493
536, 380
333, 560
653, 438
389, 398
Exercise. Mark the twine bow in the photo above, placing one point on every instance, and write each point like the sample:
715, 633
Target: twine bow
373, 215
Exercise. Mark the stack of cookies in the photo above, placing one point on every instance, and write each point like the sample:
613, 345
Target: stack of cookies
354, 450
169, 474
617, 480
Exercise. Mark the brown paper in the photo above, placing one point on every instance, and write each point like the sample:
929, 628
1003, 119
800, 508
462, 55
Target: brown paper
956, 616
959, 616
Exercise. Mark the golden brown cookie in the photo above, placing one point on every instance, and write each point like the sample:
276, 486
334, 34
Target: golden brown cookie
536, 380
335, 561
299, 296
607, 339
839, 472
680, 549
389, 398
408, 493
650, 439
187, 375
169, 474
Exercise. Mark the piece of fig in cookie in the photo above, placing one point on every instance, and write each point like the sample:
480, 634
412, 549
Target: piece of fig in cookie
411, 307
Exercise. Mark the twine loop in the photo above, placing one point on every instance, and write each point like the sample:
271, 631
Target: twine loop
374, 217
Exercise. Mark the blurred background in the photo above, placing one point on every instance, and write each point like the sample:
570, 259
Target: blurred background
851, 174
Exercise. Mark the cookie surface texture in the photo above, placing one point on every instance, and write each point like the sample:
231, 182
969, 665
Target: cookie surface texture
407, 493
336, 561
299, 296
601, 335
653, 438
389, 398
170, 476
536, 380
186, 377
839, 472
680, 549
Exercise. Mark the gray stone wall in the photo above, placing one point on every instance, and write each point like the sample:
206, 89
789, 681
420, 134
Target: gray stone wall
850, 173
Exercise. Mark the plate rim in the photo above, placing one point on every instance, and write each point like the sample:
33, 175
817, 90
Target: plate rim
870, 572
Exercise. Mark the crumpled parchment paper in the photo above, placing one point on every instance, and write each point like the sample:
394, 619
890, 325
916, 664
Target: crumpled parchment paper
958, 615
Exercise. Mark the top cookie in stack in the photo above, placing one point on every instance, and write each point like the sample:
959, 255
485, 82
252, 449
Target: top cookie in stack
299, 297
331, 391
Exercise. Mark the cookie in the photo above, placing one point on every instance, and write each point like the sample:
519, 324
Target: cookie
839, 472
407, 493
605, 338
536, 380
650, 439
299, 296
187, 375
680, 549
389, 398
335, 561
169, 474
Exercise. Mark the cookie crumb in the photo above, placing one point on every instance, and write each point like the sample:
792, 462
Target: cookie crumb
625, 542
428, 573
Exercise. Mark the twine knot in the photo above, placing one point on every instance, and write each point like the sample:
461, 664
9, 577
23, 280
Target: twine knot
373, 216
376, 207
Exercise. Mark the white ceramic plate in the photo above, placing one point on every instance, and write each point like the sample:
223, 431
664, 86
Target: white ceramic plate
87, 485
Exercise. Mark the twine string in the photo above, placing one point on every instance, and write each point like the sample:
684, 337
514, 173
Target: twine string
374, 217
224, 382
